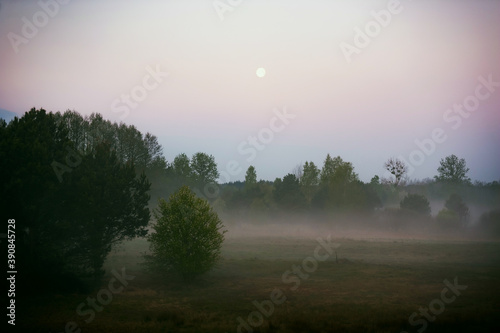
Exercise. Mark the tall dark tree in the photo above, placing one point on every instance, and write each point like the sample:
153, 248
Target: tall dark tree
181, 167
28, 148
416, 205
129, 146
104, 203
310, 180
339, 183
328, 170
250, 177
71, 200
287, 193
153, 157
453, 170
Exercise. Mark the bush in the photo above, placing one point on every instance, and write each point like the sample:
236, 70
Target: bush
416, 205
187, 237
448, 219
456, 204
490, 223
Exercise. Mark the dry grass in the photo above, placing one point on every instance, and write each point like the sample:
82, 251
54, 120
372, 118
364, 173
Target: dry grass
385, 282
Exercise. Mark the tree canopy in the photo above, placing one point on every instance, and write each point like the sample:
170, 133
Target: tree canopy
187, 236
453, 170
204, 168
81, 184
74, 194
416, 204
397, 168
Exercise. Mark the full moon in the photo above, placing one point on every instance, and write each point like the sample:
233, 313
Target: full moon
261, 72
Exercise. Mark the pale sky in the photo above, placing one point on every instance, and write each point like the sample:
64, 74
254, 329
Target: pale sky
423, 59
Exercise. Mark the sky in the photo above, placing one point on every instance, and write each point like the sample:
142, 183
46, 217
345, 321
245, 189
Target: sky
364, 80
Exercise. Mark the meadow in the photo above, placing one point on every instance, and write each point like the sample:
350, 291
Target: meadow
371, 284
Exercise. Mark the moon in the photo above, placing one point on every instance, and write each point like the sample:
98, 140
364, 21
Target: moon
261, 72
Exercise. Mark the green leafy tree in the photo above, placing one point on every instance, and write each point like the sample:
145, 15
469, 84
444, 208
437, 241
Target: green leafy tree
336, 171
416, 205
310, 180
328, 170
287, 193
181, 167
375, 181
187, 236
204, 168
453, 170
250, 177
339, 184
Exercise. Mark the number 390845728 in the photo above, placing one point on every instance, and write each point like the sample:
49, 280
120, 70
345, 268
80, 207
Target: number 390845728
11, 235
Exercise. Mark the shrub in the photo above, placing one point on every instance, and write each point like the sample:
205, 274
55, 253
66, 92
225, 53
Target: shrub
490, 223
416, 205
187, 236
456, 204
448, 219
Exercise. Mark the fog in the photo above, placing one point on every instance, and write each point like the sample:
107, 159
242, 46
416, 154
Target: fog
356, 228
250, 166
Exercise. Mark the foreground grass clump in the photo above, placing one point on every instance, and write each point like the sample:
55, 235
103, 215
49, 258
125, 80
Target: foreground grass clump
187, 237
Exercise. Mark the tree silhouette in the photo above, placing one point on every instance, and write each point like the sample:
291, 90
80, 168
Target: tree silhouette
310, 180
397, 168
453, 170
250, 177
104, 203
287, 193
69, 219
181, 167
416, 205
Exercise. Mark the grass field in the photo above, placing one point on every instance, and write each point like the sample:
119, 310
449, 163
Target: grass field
374, 285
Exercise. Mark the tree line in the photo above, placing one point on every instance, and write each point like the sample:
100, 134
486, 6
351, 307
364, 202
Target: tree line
78, 185
335, 190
